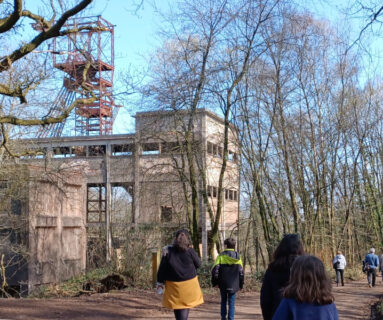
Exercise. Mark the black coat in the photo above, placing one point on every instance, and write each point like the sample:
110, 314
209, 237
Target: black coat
178, 265
271, 291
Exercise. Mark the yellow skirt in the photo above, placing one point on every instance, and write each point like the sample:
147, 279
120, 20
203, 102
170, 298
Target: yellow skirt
182, 295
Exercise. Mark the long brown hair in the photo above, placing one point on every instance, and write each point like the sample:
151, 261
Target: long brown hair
309, 281
182, 240
288, 249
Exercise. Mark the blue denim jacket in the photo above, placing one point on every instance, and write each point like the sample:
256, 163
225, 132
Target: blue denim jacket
372, 259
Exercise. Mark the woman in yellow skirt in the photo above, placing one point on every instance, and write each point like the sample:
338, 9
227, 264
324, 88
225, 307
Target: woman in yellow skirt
178, 271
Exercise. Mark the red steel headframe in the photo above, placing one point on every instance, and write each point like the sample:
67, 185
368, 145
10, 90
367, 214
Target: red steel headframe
88, 54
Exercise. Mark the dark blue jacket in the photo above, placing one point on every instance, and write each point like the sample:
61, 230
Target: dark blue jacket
290, 309
227, 271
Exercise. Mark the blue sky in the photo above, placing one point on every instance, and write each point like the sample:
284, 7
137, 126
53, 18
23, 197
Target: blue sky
135, 36
134, 39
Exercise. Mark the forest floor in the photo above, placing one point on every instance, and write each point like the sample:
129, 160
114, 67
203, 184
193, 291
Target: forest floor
353, 302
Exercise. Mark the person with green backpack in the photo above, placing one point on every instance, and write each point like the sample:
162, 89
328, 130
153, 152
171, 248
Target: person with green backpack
228, 275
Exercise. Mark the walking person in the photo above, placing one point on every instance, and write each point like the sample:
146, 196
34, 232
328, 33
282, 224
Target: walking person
371, 264
278, 273
308, 295
381, 265
177, 274
339, 263
228, 275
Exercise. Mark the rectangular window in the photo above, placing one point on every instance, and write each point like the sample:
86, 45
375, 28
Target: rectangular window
150, 148
214, 192
16, 206
209, 191
79, 151
170, 147
166, 213
210, 148
96, 203
122, 150
220, 152
62, 152
96, 151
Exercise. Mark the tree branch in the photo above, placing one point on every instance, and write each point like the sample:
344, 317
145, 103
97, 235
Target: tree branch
44, 24
52, 32
8, 22
33, 122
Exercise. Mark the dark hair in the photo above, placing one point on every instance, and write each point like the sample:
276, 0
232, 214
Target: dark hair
229, 243
288, 249
182, 240
309, 281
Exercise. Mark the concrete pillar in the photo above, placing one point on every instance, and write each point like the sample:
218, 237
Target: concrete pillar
108, 209
136, 177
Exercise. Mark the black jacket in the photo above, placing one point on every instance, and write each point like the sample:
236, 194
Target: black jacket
178, 265
228, 273
271, 291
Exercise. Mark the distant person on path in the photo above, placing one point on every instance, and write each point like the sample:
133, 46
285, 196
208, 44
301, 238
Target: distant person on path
278, 273
178, 273
228, 275
370, 265
339, 263
308, 295
381, 265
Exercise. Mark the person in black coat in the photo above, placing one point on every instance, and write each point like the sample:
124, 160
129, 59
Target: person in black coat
178, 274
278, 273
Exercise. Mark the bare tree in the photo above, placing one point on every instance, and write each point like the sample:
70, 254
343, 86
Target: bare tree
23, 73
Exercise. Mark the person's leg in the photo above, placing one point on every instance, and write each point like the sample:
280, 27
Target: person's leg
369, 276
181, 314
223, 304
231, 297
337, 276
341, 271
373, 277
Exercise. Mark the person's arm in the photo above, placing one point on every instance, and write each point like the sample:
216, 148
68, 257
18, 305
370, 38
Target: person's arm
266, 296
241, 277
196, 259
161, 273
215, 275
283, 311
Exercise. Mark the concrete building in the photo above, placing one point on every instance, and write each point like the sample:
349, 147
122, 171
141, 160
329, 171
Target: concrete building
67, 215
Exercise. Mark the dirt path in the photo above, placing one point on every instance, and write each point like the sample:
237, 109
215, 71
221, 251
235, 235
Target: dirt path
352, 301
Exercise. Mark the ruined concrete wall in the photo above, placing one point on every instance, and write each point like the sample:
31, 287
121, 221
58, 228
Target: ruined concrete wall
214, 136
14, 226
57, 225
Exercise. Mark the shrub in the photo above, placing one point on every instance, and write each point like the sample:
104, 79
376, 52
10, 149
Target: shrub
204, 274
